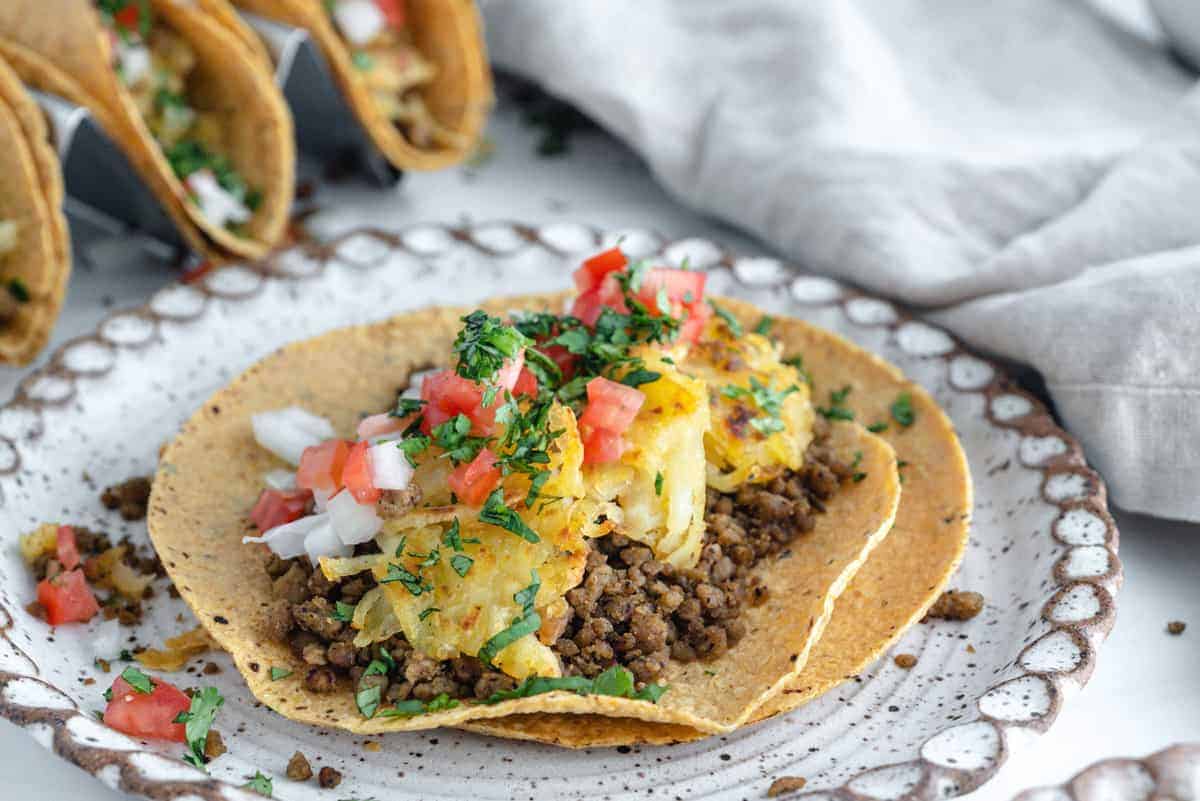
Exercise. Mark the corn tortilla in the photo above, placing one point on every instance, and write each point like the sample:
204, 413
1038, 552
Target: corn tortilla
31, 195
68, 37
210, 475
902, 577
447, 32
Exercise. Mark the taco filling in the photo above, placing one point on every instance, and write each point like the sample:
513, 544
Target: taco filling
155, 64
393, 69
580, 501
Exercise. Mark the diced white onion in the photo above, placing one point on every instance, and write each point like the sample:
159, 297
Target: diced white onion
390, 469
322, 541
288, 541
413, 390
352, 521
134, 61
360, 21
106, 640
287, 432
219, 206
280, 480
320, 499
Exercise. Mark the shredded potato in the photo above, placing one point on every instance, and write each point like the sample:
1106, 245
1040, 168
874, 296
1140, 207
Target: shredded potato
42, 540
658, 484
109, 571
737, 451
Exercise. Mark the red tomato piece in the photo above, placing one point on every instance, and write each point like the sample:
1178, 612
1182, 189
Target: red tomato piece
563, 358
593, 270
600, 446
506, 376
527, 383
474, 481
321, 466
129, 17
394, 11
697, 319
380, 425
611, 406
276, 507
65, 548
67, 598
448, 394
149, 714
357, 474
684, 287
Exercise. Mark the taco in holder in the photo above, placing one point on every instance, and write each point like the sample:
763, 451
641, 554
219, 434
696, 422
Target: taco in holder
415, 72
35, 248
183, 93
628, 523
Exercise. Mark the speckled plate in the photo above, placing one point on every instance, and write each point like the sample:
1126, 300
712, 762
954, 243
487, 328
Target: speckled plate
1042, 551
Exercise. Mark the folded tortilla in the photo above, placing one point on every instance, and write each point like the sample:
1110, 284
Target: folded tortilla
36, 259
65, 44
902, 577
209, 476
446, 33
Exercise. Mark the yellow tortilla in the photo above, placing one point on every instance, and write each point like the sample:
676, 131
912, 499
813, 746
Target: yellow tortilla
210, 475
448, 33
902, 577
31, 195
68, 37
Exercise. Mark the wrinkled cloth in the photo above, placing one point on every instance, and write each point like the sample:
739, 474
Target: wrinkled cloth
1026, 172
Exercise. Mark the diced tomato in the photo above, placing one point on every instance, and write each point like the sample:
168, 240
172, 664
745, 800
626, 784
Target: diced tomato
506, 376
321, 466
149, 714
697, 319
129, 17
593, 271
611, 406
474, 481
67, 598
600, 446
65, 548
527, 383
356, 476
563, 358
380, 425
276, 507
607, 293
448, 394
684, 287
198, 271
394, 11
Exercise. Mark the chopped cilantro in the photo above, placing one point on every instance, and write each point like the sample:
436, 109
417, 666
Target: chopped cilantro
137, 680
658, 483
407, 579
877, 428
496, 513
635, 378
837, 409
900, 465
452, 537
461, 563
406, 406
536, 482
764, 325
615, 681
197, 721
544, 369
770, 401
343, 611
278, 673
260, 784
414, 706
768, 425
727, 317
367, 699
483, 345
575, 340
453, 436
362, 60
427, 611
527, 622
797, 363
19, 291
902, 410
413, 446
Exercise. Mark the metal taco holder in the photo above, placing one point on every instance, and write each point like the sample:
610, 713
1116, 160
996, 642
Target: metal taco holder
105, 196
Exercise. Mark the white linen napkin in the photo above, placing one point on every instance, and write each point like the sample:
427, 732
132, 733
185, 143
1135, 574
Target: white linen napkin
1027, 170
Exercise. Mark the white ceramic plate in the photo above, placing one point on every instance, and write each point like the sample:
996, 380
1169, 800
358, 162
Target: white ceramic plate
1042, 551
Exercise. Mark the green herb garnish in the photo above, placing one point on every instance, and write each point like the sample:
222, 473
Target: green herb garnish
427, 611
615, 681
343, 611
877, 428
635, 378
18, 290
496, 513
731, 322
484, 344
764, 325
406, 406
260, 784
413, 707
836, 410
658, 483
137, 680
527, 622
197, 721
902, 410
412, 582
461, 563
453, 436
278, 673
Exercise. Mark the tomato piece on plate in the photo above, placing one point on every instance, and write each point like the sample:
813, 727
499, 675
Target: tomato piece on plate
448, 394
393, 10
149, 714
697, 319
66, 550
276, 507
611, 406
474, 481
600, 446
683, 287
356, 476
527, 383
67, 598
321, 466
593, 270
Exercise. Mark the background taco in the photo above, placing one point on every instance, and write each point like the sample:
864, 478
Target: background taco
902, 577
210, 475
194, 108
35, 259
414, 71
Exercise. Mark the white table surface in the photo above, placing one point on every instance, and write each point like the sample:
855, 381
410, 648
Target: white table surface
1145, 693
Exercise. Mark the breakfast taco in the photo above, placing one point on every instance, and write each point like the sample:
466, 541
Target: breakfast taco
635, 510
414, 71
194, 108
35, 260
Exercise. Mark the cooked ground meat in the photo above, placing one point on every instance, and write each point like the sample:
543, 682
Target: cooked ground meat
956, 605
629, 609
214, 746
395, 503
905, 661
329, 778
1176, 627
298, 769
786, 784
130, 497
